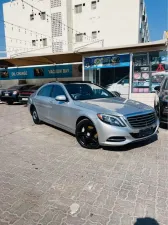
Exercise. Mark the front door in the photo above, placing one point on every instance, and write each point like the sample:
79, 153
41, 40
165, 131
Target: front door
96, 76
59, 112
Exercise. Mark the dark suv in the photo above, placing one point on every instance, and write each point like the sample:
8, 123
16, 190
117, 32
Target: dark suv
11, 94
161, 101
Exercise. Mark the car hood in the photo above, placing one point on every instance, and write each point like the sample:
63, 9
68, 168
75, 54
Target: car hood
115, 106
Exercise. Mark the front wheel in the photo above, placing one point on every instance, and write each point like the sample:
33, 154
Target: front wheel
35, 116
10, 102
87, 135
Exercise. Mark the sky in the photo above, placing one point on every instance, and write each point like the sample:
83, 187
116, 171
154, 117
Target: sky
157, 11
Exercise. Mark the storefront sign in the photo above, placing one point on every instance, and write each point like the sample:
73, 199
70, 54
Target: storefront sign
54, 71
107, 61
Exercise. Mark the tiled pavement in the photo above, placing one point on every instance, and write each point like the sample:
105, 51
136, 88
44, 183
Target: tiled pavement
46, 178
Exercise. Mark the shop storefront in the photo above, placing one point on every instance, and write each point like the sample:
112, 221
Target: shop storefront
149, 70
111, 72
133, 75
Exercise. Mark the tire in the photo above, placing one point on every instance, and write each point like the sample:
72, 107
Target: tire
86, 134
10, 102
35, 117
157, 109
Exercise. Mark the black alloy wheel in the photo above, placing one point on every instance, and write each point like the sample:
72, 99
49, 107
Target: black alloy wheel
35, 116
87, 135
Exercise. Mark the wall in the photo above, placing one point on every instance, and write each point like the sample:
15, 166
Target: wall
116, 21
18, 14
62, 19
144, 98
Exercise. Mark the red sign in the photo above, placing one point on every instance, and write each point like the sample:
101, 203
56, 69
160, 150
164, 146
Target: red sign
160, 68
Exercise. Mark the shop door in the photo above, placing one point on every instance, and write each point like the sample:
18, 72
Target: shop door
96, 76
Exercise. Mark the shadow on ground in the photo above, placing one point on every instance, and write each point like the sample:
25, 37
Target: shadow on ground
146, 221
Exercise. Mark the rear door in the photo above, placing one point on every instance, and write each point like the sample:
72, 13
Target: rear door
43, 102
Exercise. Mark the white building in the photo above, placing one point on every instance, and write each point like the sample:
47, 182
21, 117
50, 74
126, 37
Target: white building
46, 26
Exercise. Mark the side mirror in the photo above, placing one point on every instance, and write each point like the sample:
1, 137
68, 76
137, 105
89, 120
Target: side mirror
61, 98
157, 88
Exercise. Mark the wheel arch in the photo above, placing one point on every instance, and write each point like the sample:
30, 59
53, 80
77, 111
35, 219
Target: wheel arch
31, 108
82, 117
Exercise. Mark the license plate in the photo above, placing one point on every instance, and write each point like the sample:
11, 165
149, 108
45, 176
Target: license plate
146, 132
24, 99
6, 94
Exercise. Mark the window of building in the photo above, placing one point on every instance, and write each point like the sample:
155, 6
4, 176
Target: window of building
94, 34
79, 37
93, 5
44, 42
55, 3
143, 18
78, 8
33, 42
43, 15
31, 16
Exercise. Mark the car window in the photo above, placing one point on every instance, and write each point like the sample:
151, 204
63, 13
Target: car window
13, 87
165, 86
45, 91
25, 87
35, 88
87, 91
57, 90
125, 80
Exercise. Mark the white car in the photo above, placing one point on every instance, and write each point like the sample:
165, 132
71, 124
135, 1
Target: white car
122, 87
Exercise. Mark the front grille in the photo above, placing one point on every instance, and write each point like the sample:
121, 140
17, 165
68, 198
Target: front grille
143, 134
142, 120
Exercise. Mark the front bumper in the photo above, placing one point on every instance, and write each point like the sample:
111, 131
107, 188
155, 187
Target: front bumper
9, 98
23, 99
118, 136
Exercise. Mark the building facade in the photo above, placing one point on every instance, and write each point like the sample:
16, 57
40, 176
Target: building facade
48, 26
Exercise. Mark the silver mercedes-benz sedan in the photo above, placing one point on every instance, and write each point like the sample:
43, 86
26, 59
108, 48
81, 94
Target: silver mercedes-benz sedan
94, 115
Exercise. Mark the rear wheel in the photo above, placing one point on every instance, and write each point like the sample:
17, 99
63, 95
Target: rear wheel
35, 116
86, 134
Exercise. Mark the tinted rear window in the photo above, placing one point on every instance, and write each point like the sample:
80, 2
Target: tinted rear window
14, 87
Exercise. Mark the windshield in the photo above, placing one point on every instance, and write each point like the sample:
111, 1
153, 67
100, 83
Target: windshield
86, 91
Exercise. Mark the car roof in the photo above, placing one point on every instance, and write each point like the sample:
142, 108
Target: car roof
70, 82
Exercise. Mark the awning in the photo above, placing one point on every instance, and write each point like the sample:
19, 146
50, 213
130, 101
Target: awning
59, 58
142, 47
76, 56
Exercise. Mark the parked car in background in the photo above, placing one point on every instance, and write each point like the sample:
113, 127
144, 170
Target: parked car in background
121, 87
161, 101
93, 114
25, 94
11, 94
1, 89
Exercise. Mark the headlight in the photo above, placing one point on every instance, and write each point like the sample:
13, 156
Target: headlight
112, 120
15, 92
